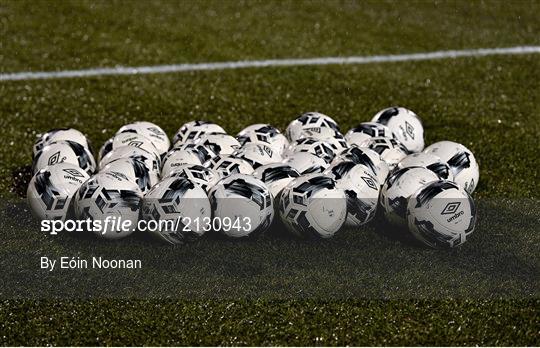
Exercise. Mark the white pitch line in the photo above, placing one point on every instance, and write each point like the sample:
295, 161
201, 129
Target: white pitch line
162, 69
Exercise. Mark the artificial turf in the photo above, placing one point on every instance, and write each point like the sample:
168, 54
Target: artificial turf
362, 287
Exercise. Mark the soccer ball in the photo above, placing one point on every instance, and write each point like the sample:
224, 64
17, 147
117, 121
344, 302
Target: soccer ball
128, 139
228, 165
429, 161
366, 157
257, 154
276, 176
150, 131
64, 151
315, 147
135, 170
441, 214
312, 206
390, 150
60, 134
51, 189
242, 200
185, 154
152, 162
306, 163
109, 195
361, 189
197, 174
180, 207
309, 121
361, 134
405, 125
220, 144
331, 136
264, 133
397, 189
461, 161
191, 131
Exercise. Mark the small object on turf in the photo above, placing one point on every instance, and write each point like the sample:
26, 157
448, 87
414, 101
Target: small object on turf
264, 133
136, 171
228, 165
180, 208
276, 176
361, 134
361, 189
399, 187
306, 163
109, 197
461, 161
312, 206
257, 154
242, 204
59, 134
405, 125
441, 214
366, 157
198, 174
52, 188
152, 132
309, 121
429, 161
192, 131
64, 151
390, 150
127, 139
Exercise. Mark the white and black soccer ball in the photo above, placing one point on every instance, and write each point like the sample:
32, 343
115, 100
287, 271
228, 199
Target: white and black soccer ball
306, 163
128, 139
361, 189
361, 134
405, 125
276, 176
399, 187
135, 170
179, 156
64, 151
51, 189
366, 157
193, 130
316, 147
257, 154
264, 133
180, 208
228, 165
429, 161
309, 121
390, 150
312, 206
461, 161
109, 194
441, 214
152, 162
330, 136
244, 199
220, 144
59, 134
150, 131
198, 174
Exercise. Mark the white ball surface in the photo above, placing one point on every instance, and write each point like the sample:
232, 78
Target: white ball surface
150, 131
429, 161
405, 125
64, 151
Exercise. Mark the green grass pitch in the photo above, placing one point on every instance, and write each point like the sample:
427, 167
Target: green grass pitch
362, 287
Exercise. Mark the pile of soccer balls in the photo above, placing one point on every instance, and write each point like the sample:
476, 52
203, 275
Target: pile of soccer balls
315, 178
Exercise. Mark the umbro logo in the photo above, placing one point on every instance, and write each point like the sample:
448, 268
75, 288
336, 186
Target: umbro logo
55, 158
74, 172
409, 129
135, 143
451, 208
154, 130
369, 181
